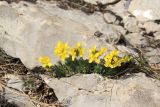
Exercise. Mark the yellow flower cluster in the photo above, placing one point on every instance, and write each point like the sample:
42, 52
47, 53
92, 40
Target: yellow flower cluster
80, 49
112, 60
46, 63
63, 51
94, 55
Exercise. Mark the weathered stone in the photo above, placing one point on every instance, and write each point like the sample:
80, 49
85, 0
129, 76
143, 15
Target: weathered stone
136, 39
119, 29
152, 56
12, 95
131, 24
145, 10
150, 26
137, 90
157, 36
18, 99
110, 18
152, 51
154, 60
73, 84
120, 8
14, 82
125, 49
31, 31
113, 35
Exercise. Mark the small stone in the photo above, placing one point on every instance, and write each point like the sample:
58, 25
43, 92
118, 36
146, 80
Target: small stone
131, 24
119, 8
136, 40
127, 50
150, 26
110, 18
145, 10
154, 60
157, 36
15, 82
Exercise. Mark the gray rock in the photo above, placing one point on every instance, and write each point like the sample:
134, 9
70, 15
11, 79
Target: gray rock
31, 31
113, 35
19, 99
13, 91
73, 85
110, 18
120, 8
152, 51
145, 10
154, 60
152, 56
136, 39
150, 26
137, 90
157, 35
131, 24
15, 82
119, 29
125, 49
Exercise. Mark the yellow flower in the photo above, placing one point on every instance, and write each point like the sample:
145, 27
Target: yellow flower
93, 58
112, 60
101, 51
72, 52
61, 50
45, 61
94, 54
80, 49
93, 49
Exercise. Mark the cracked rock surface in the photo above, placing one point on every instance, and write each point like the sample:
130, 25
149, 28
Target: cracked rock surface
92, 90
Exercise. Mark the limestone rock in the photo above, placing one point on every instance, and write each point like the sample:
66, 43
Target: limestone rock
113, 35
152, 51
154, 60
110, 18
150, 26
20, 100
131, 24
14, 82
120, 8
136, 39
28, 31
152, 55
157, 36
145, 10
137, 90
125, 49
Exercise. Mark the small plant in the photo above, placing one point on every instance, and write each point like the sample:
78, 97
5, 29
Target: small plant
45, 61
72, 61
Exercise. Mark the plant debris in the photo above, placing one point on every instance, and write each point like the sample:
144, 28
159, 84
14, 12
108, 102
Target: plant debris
34, 86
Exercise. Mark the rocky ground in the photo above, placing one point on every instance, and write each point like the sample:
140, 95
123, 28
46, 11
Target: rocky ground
31, 29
